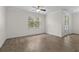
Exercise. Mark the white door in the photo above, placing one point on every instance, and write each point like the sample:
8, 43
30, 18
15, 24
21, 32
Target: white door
66, 25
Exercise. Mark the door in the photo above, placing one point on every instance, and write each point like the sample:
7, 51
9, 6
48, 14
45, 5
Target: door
66, 25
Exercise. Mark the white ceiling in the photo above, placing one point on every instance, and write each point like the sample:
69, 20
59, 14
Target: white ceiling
50, 8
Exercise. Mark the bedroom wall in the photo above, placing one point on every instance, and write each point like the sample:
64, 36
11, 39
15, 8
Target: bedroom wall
2, 26
75, 22
17, 22
53, 23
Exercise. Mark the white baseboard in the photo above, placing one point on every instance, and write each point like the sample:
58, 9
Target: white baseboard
54, 34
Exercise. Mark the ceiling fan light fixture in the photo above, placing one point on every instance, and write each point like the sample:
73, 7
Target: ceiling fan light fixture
38, 10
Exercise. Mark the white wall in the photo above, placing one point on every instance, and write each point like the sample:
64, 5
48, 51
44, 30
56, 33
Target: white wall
53, 23
75, 22
2, 26
17, 23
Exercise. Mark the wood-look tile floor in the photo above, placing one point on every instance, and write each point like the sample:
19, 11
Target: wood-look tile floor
42, 43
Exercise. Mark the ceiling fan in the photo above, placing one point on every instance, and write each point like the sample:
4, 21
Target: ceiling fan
39, 9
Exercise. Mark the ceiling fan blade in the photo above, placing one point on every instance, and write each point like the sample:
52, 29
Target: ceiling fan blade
37, 7
43, 9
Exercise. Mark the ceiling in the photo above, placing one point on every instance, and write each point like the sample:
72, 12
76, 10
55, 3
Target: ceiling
50, 8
